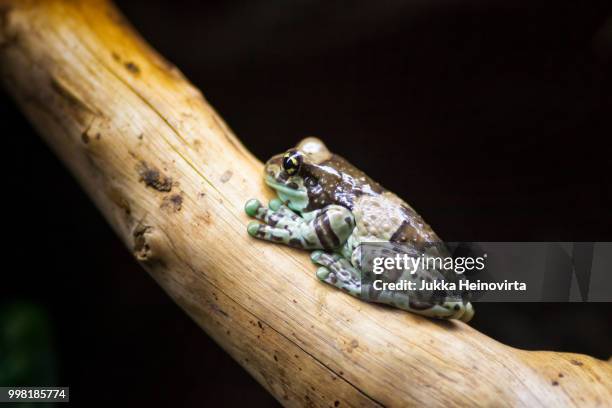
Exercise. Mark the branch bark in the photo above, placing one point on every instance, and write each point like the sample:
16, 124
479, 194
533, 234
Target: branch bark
172, 179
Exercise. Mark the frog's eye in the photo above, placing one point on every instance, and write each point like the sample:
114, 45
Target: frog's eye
291, 162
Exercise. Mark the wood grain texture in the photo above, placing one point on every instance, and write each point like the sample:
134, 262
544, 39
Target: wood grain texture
172, 179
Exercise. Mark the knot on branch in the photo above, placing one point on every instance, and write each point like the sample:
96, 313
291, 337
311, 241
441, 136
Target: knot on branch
147, 244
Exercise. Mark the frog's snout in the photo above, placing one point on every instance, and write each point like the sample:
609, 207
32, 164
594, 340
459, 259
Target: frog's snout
273, 167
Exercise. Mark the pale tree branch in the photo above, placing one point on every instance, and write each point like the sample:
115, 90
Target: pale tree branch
172, 179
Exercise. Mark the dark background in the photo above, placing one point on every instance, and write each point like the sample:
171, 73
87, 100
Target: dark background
493, 119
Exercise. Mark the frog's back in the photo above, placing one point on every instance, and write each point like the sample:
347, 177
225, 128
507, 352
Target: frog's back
380, 215
386, 217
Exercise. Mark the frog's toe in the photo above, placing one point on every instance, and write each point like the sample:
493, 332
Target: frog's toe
323, 273
253, 228
460, 311
468, 314
251, 207
275, 204
315, 256
331, 260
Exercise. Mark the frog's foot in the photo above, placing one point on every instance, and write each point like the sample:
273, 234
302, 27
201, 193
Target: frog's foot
280, 224
337, 271
277, 215
445, 310
328, 228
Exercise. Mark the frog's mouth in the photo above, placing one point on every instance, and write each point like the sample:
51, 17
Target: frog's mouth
296, 196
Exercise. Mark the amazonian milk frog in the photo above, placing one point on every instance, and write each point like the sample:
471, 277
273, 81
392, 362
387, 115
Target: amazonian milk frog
328, 206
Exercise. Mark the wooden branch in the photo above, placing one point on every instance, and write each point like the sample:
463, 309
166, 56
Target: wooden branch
172, 179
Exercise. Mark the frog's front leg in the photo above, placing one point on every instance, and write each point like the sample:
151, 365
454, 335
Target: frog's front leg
327, 229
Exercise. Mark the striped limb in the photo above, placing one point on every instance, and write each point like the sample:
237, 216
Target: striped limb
327, 229
340, 272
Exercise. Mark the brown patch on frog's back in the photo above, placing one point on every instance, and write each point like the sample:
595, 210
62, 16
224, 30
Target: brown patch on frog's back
405, 233
414, 229
343, 166
337, 182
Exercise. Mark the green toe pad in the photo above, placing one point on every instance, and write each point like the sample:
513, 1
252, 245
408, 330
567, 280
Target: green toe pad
252, 206
315, 255
252, 228
275, 204
323, 273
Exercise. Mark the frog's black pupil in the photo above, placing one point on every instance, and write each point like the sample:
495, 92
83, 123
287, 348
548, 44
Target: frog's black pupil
287, 163
291, 163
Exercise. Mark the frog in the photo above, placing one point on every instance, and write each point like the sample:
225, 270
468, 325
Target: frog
329, 207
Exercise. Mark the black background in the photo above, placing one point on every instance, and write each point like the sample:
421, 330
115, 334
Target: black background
491, 118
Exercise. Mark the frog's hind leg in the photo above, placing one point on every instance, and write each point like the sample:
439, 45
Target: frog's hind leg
441, 310
337, 271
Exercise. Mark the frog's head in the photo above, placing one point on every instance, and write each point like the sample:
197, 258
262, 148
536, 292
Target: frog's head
298, 174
